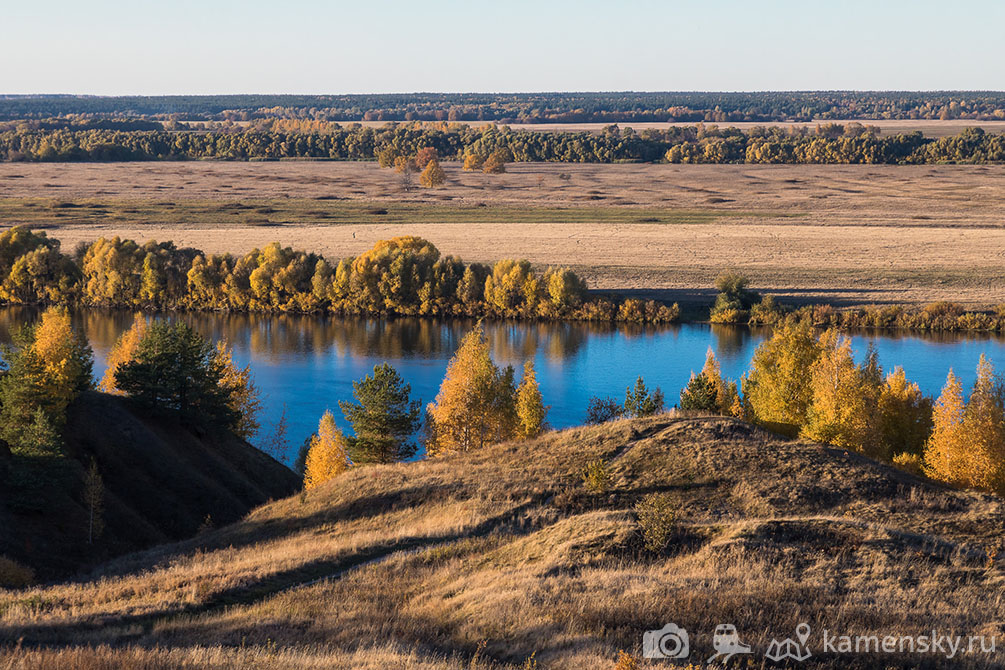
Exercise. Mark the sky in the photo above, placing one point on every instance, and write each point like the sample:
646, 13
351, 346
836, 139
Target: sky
141, 47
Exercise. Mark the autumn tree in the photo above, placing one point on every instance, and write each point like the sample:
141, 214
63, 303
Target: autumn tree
242, 395
473, 161
475, 405
327, 456
432, 175
707, 391
425, 156
967, 444
530, 409
496, 161
777, 388
905, 416
123, 351
47, 366
383, 417
65, 356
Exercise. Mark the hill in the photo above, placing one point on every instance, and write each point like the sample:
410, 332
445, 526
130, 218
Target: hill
162, 480
504, 558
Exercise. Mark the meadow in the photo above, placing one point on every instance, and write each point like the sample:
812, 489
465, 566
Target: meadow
510, 556
842, 234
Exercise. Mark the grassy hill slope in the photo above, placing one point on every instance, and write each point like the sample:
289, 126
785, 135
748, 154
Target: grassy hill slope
485, 559
161, 478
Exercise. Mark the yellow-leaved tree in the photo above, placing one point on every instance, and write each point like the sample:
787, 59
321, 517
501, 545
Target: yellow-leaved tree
242, 395
328, 456
123, 351
432, 175
967, 445
905, 417
530, 409
475, 405
65, 357
777, 388
727, 397
844, 405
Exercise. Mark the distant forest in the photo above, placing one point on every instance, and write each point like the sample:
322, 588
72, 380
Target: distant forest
280, 139
616, 107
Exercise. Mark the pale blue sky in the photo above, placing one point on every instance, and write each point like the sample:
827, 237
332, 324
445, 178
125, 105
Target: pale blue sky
373, 46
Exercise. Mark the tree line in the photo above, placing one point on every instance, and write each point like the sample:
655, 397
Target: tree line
401, 276
277, 140
736, 303
600, 107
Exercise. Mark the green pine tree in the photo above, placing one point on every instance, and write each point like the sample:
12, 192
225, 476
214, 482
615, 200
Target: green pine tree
382, 418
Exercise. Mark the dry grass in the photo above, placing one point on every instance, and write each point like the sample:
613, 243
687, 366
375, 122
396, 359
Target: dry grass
494, 556
845, 234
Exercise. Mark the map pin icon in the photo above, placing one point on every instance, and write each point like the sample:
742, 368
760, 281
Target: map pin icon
803, 633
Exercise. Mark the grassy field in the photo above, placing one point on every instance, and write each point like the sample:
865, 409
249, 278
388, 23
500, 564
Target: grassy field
846, 234
495, 557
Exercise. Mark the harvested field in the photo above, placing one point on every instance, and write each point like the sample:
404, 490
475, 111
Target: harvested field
847, 234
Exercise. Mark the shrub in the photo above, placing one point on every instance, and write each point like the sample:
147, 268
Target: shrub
13, 575
910, 463
596, 477
601, 410
657, 518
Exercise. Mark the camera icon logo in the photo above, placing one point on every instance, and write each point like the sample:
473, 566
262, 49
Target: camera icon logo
667, 642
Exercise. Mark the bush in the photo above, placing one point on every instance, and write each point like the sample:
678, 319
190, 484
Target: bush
602, 410
596, 478
13, 575
657, 518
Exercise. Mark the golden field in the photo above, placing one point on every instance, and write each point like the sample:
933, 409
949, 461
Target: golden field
846, 234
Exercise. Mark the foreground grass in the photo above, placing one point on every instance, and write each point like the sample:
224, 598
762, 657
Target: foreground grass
500, 555
41, 212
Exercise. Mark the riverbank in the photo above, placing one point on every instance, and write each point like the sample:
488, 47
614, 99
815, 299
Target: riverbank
847, 235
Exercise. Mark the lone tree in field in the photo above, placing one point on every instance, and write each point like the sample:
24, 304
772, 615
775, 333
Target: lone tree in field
327, 456
530, 409
433, 175
121, 352
383, 417
475, 405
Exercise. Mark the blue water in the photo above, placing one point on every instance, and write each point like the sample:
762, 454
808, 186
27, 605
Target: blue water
308, 364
